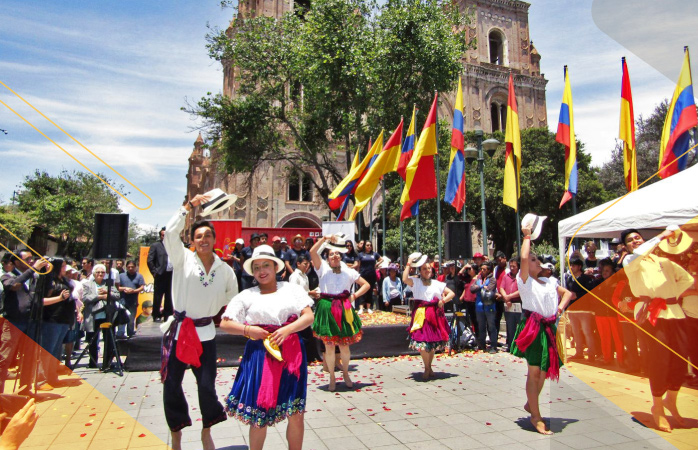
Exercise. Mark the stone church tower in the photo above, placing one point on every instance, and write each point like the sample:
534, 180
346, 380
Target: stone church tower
503, 46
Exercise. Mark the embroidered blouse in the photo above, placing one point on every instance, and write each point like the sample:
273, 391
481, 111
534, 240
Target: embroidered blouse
198, 293
254, 308
336, 283
427, 293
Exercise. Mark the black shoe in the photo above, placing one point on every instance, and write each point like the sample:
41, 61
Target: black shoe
493, 350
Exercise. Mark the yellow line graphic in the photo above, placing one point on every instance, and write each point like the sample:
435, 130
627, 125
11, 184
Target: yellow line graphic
73, 157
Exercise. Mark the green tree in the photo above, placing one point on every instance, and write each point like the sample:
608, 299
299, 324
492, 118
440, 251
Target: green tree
311, 84
18, 223
542, 186
65, 206
648, 137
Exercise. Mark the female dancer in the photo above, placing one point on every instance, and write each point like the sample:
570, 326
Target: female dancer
271, 383
535, 336
336, 321
429, 330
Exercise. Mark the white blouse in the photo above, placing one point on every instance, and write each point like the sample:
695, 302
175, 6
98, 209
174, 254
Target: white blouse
537, 297
336, 283
252, 307
427, 293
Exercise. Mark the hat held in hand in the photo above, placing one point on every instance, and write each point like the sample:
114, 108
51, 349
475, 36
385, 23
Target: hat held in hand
218, 201
535, 222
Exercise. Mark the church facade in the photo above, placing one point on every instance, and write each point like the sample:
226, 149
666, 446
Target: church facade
503, 47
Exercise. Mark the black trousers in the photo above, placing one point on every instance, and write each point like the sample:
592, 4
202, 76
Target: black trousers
470, 309
667, 372
176, 407
107, 351
500, 312
367, 298
162, 286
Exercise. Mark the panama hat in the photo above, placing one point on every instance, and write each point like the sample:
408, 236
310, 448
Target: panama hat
385, 263
263, 252
676, 244
339, 244
535, 222
218, 201
419, 258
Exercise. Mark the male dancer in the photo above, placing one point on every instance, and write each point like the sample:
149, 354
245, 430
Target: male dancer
202, 284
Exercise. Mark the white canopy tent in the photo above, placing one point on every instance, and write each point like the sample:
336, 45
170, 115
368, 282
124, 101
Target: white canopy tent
673, 201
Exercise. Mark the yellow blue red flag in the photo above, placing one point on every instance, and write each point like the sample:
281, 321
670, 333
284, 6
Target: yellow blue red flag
372, 174
455, 183
565, 136
411, 208
680, 118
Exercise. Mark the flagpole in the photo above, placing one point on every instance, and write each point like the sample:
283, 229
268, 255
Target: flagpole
400, 258
402, 139
370, 221
518, 193
417, 231
438, 183
383, 232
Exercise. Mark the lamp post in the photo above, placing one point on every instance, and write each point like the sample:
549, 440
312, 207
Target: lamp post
490, 146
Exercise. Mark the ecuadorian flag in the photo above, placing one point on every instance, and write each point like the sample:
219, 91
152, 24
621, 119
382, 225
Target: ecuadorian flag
411, 208
680, 118
565, 136
455, 183
349, 184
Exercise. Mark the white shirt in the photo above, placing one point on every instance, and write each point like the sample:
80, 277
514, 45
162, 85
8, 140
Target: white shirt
538, 297
656, 277
194, 291
336, 283
252, 307
427, 293
300, 278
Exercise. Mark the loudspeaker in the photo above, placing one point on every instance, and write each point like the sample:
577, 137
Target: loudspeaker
459, 243
111, 236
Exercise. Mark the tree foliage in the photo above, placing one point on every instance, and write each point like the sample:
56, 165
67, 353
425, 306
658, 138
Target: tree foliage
323, 80
65, 205
18, 222
542, 186
648, 137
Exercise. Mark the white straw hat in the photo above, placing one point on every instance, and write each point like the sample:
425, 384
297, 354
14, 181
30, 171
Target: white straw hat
219, 201
535, 222
263, 252
420, 259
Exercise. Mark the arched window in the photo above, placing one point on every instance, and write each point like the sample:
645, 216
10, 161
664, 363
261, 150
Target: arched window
496, 41
300, 187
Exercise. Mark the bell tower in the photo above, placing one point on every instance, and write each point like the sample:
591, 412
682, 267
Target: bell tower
504, 46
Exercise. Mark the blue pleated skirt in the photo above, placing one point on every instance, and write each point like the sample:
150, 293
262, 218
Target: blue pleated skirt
241, 403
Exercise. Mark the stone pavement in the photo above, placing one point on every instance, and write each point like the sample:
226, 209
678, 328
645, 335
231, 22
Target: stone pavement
475, 402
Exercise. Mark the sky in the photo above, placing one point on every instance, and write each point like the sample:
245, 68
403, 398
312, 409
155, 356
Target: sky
114, 75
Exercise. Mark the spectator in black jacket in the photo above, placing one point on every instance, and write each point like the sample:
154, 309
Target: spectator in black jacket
161, 268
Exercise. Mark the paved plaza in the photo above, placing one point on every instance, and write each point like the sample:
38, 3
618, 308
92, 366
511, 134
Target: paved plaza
475, 402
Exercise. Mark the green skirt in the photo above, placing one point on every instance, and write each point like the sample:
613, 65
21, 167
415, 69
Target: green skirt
537, 353
326, 329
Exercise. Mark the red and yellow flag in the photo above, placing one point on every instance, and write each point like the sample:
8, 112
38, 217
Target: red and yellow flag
627, 131
512, 160
420, 183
